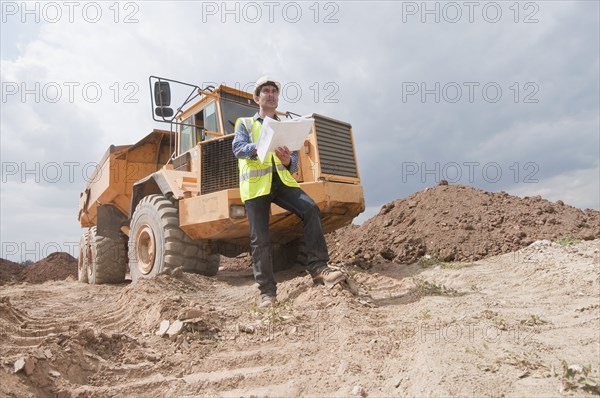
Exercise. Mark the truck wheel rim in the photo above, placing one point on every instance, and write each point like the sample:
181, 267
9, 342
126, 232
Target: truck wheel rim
145, 249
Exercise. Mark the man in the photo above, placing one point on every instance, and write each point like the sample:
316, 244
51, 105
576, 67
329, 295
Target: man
263, 183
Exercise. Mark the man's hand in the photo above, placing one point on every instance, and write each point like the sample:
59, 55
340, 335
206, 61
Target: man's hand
283, 153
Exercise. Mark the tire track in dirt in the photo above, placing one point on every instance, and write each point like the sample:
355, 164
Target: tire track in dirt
91, 325
41, 318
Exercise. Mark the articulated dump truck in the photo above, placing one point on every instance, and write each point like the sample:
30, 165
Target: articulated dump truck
172, 199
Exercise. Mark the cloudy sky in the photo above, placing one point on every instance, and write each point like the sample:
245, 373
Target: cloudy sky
503, 96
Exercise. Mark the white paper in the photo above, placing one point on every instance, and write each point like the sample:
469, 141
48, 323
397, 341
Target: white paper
291, 133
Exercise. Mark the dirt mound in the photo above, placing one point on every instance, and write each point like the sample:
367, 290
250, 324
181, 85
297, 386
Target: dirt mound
169, 301
56, 266
459, 223
9, 271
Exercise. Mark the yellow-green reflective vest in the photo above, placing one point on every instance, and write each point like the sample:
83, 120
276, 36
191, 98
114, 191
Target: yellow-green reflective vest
256, 176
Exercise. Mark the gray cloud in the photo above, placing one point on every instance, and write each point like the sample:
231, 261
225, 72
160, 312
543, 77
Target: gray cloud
357, 69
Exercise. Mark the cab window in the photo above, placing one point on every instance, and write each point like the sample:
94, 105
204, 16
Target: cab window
186, 132
193, 129
233, 110
210, 117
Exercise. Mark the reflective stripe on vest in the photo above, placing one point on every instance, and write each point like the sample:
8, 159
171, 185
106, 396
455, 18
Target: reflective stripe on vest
256, 176
260, 172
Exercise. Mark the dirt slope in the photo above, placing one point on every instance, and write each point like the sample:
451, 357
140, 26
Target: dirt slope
56, 266
519, 318
500, 326
459, 223
9, 271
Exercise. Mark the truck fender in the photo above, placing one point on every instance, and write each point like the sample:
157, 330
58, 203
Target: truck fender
109, 221
154, 183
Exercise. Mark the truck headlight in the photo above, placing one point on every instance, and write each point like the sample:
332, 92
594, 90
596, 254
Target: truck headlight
237, 211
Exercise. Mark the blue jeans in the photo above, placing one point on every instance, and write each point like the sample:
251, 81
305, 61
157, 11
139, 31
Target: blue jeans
298, 202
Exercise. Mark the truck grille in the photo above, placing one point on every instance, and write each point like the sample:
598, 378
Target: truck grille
182, 162
219, 167
336, 152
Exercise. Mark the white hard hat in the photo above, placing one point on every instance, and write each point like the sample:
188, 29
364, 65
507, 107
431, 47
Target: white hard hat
261, 81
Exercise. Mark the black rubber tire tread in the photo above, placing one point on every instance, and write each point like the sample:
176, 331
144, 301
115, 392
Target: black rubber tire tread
83, 260
108, 259
203, 263
173, 247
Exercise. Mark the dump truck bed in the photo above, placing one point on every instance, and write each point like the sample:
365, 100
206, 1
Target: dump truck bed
119, 168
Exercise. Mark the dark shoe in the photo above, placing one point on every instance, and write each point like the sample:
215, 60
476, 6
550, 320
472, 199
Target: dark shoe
328, 277
267, 301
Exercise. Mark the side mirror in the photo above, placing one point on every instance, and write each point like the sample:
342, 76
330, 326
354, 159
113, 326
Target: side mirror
163, 111
162, 97
162, 93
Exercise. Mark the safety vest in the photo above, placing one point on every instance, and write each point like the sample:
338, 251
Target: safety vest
256, 176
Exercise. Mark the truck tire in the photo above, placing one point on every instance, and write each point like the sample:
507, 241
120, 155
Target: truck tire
107, 259
156, 243
83, 260
288, 255
197, 260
